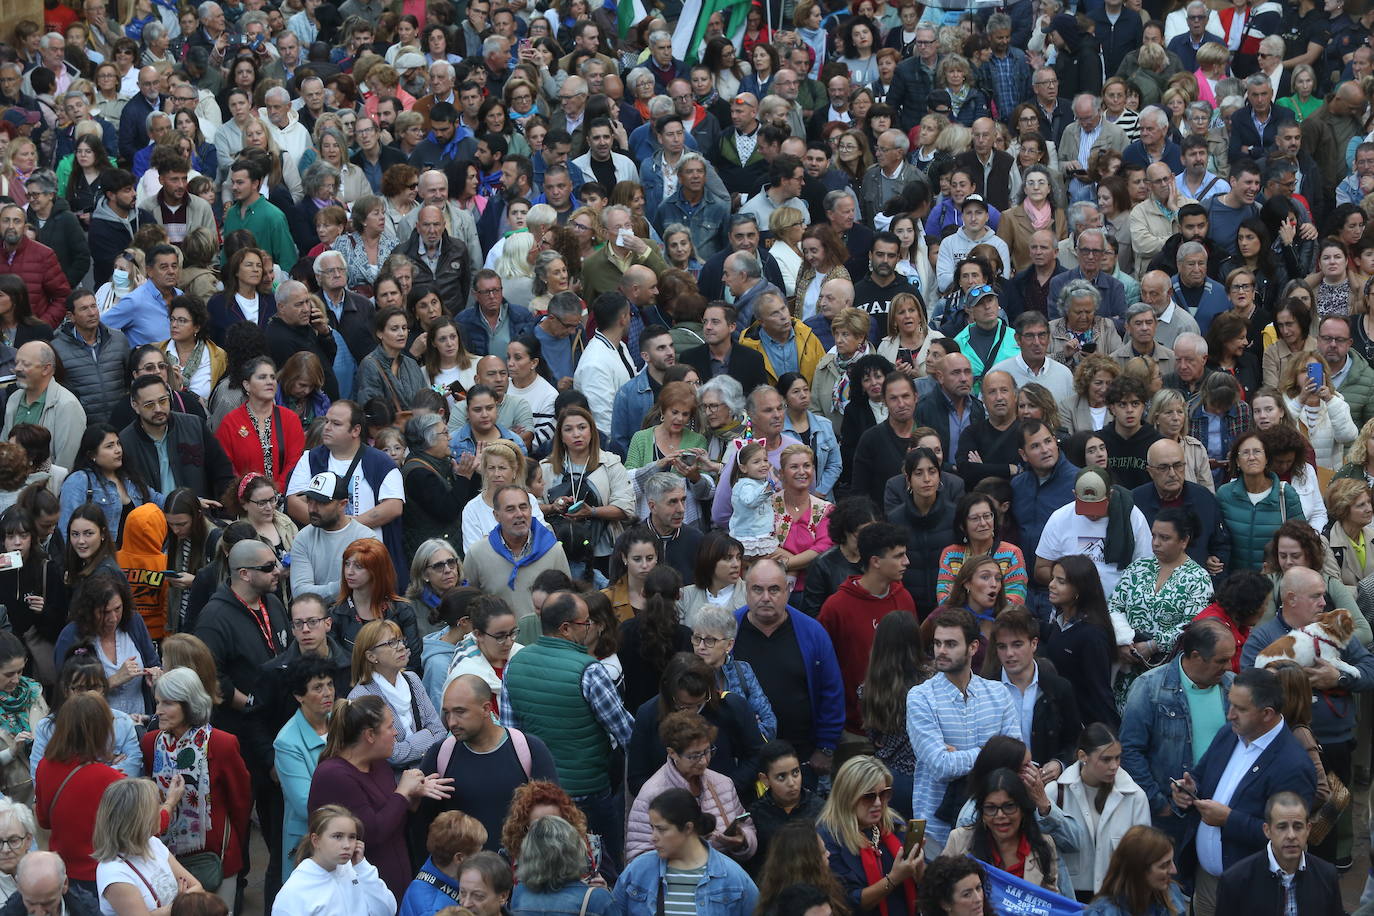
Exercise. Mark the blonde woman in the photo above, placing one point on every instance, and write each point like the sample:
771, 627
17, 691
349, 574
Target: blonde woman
785, 225
1359, 460
256, 135
908, 335
501, 463
1168, 414
137, 875
513, 266
1323, 414
955, 94
333, 149
1351, 535
859, 831
380, 657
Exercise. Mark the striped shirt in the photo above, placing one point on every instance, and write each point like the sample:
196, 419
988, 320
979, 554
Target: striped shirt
938, 715
680, 897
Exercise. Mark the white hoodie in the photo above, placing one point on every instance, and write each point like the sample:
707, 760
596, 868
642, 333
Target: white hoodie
345, 891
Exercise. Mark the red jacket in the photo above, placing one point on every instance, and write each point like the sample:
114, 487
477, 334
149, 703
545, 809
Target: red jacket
851, 616
231, 796
1214, 611
72, 819
37, 265
240, 442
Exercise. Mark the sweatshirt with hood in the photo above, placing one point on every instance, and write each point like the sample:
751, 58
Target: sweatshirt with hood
143, 561
850, 617
109, 234
356, 889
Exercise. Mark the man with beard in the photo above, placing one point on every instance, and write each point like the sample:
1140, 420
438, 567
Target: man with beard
950, 717
317, 553
36, 264
39, 399
636, 397
720, 355
873, 294
883, 447
169, 449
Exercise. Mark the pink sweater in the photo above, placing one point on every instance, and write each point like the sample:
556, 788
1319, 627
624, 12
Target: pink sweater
718, 797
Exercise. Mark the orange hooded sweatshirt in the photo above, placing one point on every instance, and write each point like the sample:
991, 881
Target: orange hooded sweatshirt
143, 561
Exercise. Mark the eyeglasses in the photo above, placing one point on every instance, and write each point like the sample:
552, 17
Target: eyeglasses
1333, 340
15, 842
264, 568
580, 623
397, 643
883, 795
1007, 809
307, 623
507, 636
1091, 251
1177, 467
579, 227
438, 565
698, 756
1236, 287
708, 641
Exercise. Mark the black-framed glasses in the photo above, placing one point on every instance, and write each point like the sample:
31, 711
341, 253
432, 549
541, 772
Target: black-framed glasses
709, 642
397, 643
307, 623
698, 756
1007, 809
507, 636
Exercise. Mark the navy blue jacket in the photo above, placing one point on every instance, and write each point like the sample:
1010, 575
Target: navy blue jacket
474, 327
1134, 154
1282, 765
1213, 538
1032, 502
1246, 141
823, 680
1250, 887
1117, 40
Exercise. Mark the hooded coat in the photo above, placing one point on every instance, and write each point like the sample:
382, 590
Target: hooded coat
142, 559
109, 235
63, 233
850, 617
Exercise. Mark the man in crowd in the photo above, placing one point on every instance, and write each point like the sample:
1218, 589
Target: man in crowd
39, 398
35, 263
1032, 363
169, 449
1210, 545
1044, 701
1283, 870
1347, 372
299, 326
517, 550
882, 448
786, 343
311, 638
720, 355
665, 496
93, 356
636, 397
317, 552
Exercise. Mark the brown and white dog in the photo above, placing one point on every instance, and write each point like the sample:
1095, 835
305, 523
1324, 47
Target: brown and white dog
1324, 638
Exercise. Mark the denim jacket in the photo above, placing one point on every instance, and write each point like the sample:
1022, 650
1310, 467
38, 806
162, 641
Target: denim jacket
566, 901
738, 677
1156, 732
462, 443
827, 449
725, 891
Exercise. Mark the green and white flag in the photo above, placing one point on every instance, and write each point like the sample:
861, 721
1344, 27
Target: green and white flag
629, 13
690, 34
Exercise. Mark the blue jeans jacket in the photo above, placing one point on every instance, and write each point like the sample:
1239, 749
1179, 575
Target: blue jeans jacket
634, 399
738, 677
724, 891
827, 449
1157, 734
566, 901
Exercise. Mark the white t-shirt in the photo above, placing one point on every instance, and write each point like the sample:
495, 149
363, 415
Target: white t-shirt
140, 872
361, 498
1068, 533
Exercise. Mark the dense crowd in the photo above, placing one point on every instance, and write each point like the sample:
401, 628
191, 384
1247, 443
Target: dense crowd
793, 459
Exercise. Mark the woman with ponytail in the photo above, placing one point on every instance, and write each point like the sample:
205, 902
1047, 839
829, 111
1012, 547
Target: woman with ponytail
652, 637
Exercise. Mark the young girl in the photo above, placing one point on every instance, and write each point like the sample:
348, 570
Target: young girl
390, 440
331, 877
751, 502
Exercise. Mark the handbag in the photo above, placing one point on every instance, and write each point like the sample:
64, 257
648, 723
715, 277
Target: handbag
578, 536
208, 867
586, 898
1325, 817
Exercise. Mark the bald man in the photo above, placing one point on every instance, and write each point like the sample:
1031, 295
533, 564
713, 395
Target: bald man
43, 889
1329, 129
990, 447
836, 294
1210, 546
40, 399
512, 411
133, 121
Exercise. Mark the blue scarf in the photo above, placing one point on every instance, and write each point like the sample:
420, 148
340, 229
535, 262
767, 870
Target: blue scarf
542, 541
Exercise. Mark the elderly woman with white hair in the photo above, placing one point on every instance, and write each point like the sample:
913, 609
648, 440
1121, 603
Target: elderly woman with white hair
186, 751
17, 830
1081, 330
722, 403
713, 639
435, 492
514, 269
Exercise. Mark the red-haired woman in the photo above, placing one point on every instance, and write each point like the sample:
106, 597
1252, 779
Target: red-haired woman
367, 591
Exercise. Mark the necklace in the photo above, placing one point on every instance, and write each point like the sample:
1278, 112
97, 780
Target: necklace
875, 837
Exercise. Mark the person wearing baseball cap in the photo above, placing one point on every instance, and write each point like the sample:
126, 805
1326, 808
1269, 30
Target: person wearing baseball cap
975, 231
987, 339
317, 552
1101, 523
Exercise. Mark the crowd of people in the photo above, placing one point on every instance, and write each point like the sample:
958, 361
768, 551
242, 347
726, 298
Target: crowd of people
779, 458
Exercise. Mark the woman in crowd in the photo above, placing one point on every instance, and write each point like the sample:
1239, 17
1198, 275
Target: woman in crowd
955, 886
186, 750
199, 359
16, 822
541, 798
1296, 543
1035, 402
858, 401
794, 858
136, 873
853, 154
452, 838
301, 385
353, 772
1080, 639
333, 151
129, 273
1293, 324
369, 243
379, 669
1035, 211
713, 638
1288, 452
1239, 602
859, 832
488, 649
32, 593
579, 470
1087, 409
1114, 202
242, 299
435, 570
1350, 532
453, 617
1254, 503
400, 182
823, 256
481, 429
389, 372
1322, 411
954, 88
980, 589
1359, 460
1159, 594
1097, 791
636, 553
977, 529
1140, 877
99, 476
259, 437
689, 738
801, 518
18, 326
909, 335
368, 592
501, 463
722, 403
812, 429
672, 446
926, 513
71, 777
1228, 346
896, 663
532, 380
690, 872
298, 745
552, 862
833, 379
256, 500
717, 578
1007, 832
82, 673
1082, 333
485, 883
1297, 715
650, 639
446, 361
1168, 414
1332, 293
89, 548
103, 620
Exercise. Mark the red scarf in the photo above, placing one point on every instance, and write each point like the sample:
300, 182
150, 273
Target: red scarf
1023, 852
873, 871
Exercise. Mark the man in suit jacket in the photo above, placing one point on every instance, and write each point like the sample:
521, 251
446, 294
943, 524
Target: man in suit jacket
1262, 883
1224, 797
1087, 113
1255, 127
720, 355
995, 175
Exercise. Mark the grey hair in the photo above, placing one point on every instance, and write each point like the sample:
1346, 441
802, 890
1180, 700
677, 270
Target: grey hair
319, 264
833, 198
633, 78
660, 35
1271, 44
315, 176
1188, 249
277, 93
689, 156
899, 139
1232, 102
1078, 289
43, 181
151, 32
251, 17
439, 67
1078, 214
493, 44
182, 685
997, 22
426, 552
747, 264
1195, 343
730, 391
1155, 113
21, 813
541, 267
586, 65
41, 863
1089, 231
1140, 308
77, 93
420, 430
153, 116
289, 288
751, 400
1200, 106
660, 485
616, 208
552, 855
659, 106
713, 618
541, 215
674, 229
1090, 98
1257, 80
1196, 5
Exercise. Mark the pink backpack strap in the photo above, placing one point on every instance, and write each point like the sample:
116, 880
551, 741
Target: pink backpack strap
446, 753
522, 750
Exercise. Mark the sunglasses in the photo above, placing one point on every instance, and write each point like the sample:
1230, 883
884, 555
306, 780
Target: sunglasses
264, 568
884, 795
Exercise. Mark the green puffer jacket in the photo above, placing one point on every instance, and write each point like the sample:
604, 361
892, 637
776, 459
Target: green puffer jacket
1253, 524
1358, 389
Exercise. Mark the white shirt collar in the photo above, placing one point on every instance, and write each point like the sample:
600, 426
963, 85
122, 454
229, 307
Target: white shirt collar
1274, 863
1264, 740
